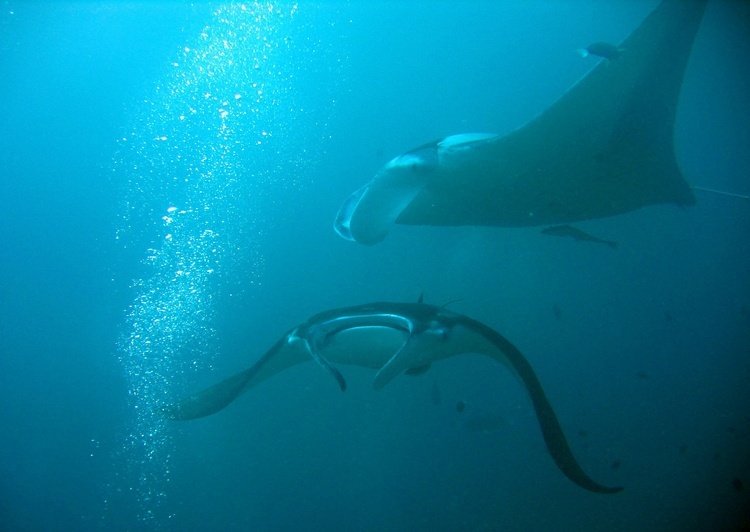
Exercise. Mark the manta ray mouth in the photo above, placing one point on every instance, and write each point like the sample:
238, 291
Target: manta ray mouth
315, 337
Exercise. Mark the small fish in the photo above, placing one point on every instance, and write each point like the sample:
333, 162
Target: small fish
557, 312
642, 375
616, 464
738, 485
683, 449
576, 234
460, 406
582, 433
601, 49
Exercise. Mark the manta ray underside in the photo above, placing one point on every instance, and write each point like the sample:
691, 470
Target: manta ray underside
604, 148
392, 338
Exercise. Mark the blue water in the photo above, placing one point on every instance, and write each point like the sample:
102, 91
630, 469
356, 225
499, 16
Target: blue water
169, 176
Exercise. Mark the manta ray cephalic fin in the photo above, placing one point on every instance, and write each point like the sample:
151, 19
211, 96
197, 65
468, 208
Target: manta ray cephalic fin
317, 357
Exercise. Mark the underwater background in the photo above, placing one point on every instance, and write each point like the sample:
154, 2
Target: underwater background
169, 177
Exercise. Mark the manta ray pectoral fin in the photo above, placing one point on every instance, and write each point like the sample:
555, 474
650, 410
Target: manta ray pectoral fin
472, 333
216, 397
210, 400
317, 357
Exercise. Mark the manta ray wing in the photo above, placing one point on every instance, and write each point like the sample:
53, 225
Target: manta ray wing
281, 356
499, 348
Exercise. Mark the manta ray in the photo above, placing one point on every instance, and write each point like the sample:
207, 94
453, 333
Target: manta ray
604, 148
391, 338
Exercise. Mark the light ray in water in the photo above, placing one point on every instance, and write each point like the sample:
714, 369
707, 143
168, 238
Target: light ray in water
200, 155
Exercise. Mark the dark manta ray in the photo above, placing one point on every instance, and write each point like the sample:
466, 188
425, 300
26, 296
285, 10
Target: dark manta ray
391, 338
604, 148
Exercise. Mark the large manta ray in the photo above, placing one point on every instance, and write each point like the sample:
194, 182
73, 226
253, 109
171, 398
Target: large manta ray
391, 338
604, 148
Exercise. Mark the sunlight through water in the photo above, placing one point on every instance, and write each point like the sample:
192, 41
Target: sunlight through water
227, 127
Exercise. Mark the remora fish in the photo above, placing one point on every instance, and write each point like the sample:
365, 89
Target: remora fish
601, 49
577, 235
391, 338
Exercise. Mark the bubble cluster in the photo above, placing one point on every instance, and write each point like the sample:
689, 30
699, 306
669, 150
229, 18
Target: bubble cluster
201, 154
